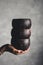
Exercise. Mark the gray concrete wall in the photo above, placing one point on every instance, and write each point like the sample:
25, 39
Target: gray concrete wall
33, 9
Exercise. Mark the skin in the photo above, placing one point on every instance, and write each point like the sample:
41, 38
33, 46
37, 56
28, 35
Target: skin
12, 49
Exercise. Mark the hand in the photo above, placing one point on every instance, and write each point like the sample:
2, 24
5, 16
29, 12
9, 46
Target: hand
21, 51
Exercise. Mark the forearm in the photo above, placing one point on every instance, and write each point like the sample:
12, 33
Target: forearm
10, 49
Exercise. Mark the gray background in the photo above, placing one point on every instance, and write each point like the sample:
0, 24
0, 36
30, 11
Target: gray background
33, 9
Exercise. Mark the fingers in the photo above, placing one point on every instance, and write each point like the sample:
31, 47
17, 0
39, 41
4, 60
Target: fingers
18, 51
22, 52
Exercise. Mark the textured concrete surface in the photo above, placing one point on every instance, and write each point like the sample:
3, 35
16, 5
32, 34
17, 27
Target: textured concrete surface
33, 9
